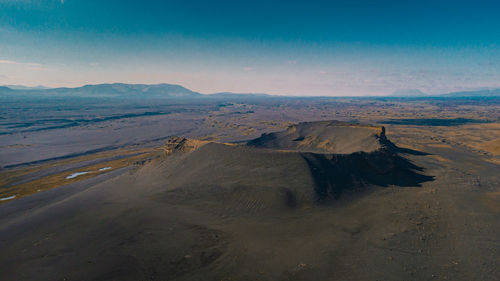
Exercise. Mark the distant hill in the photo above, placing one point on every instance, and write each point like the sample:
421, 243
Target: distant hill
408, 93
109, 90
238, 95
472, 93
21, 87
5, 89
477, 93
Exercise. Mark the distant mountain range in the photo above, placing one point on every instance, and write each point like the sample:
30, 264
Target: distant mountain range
478, 93
108, 90
409, 93
161, 91
473, 93
21, 87
119, 90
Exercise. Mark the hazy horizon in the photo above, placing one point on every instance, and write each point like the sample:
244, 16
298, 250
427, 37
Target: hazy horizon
397, 93
339, 48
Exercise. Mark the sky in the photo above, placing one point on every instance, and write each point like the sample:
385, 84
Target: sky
350, 47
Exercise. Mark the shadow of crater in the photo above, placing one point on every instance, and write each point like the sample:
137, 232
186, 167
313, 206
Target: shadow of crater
334, 174
393, 147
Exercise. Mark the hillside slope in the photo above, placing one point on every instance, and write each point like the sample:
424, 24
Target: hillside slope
307, 164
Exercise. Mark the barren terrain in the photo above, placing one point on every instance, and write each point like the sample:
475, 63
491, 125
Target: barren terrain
102, 191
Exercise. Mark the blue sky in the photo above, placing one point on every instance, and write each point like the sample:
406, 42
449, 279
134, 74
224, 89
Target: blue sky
281, 47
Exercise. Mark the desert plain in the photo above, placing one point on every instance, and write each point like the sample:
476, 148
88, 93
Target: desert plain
250, 188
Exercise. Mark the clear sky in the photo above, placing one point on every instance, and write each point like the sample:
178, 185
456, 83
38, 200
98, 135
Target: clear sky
350, 47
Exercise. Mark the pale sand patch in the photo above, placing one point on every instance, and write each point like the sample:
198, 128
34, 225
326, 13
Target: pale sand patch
74, 175
8, 198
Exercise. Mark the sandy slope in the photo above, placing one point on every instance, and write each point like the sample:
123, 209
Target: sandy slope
225, 212
324, 137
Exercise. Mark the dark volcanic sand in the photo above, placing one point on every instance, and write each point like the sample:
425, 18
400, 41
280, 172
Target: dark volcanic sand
223, 213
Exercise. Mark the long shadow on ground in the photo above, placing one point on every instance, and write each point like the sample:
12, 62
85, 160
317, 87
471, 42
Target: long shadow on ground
336, 173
